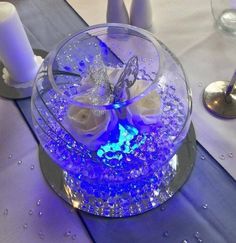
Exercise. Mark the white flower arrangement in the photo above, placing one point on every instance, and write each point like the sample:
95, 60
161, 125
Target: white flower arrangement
90, 126
87, 125
146, 110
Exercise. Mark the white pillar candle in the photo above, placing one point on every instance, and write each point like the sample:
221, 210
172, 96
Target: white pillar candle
15, 51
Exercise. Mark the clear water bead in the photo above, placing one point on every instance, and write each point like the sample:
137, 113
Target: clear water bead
199, 240
41, 235
222, 157
32, 167
38, 202
67, 233
9, 156
203, 157
19, 162
165, 234
40, 214
25, 226
205, 206
73, 237
30, 212
163, 208
197, 235
200, 84
185, 241
230, 155
5, 212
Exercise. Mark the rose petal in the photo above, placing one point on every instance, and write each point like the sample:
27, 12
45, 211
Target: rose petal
147, 109
86, 126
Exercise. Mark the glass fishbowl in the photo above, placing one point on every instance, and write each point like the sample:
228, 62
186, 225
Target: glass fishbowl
111, 106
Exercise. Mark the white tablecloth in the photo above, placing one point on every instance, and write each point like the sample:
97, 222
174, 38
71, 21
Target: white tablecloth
187, 28
23, 186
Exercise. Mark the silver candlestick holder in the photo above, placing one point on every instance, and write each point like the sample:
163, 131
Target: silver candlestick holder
219, 98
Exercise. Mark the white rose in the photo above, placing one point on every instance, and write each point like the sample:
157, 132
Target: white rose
146, 110
88, 125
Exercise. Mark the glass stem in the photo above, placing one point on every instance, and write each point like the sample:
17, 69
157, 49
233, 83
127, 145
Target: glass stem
231, 84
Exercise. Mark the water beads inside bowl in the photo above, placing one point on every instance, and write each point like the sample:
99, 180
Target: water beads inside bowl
126, 152
115, 140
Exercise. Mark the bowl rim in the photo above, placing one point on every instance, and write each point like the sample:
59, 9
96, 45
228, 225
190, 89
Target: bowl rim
114, 105
157, 44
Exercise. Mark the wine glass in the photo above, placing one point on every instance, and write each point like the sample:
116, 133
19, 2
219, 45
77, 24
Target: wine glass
224, 13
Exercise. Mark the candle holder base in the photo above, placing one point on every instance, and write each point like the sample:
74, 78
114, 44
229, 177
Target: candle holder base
11, 92
65, 186
216, 101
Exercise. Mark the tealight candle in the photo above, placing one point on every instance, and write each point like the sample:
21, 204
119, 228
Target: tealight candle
16, 53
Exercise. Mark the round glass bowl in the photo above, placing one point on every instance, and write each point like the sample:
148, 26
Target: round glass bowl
111, 106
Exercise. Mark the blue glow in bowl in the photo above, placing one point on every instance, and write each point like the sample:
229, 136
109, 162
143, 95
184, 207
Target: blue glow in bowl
113, 139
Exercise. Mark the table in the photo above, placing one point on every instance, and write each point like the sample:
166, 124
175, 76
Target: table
30, 212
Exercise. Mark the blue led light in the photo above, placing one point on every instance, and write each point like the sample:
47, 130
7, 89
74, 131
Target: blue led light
67, 68
82, 63
126, 134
